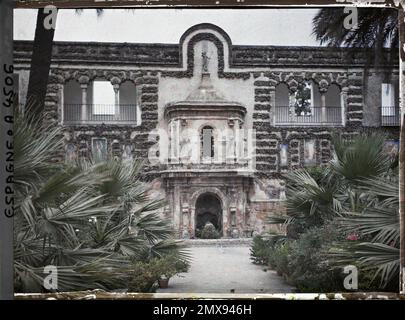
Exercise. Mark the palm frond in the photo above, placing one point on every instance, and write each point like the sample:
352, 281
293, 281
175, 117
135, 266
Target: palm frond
360, 157
377, 28
381, 223
384, 259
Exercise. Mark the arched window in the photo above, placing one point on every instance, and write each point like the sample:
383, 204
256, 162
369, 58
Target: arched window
332, 96
282, 95
128, 103
72, 101
333, 104
207, 142
282, 107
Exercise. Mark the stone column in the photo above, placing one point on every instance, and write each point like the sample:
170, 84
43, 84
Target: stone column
239, 157
185, 222
323, 108
115, 81
225, 221
231, 141
171, 141
343, 103
192, 222
177, 133
117, 101
221, 145
84, 82
176, 207
84, 102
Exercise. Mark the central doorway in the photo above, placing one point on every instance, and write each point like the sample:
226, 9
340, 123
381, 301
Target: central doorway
208, 210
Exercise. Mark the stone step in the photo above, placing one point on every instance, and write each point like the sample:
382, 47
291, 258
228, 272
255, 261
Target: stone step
225, 242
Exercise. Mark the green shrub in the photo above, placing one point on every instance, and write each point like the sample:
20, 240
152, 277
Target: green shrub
144, 275
209, 232
170, 265
259, 252
308, 261
278, 258
304, 263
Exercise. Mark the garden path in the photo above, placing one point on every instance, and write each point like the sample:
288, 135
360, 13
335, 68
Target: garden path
218, 268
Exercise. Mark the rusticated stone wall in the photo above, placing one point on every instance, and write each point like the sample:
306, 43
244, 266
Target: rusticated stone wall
247, 75
135, 136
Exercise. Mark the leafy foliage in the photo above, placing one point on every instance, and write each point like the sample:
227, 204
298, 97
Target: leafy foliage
260, 250
144, 275
360, 157
357, 192
377, 227
308, 266
303, 99
92, 221
377, 28
209, 232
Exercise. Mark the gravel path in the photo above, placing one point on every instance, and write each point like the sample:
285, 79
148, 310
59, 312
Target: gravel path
225, 269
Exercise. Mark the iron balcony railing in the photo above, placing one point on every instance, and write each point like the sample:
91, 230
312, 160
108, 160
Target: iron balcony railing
291, 115
390, 116
99, 113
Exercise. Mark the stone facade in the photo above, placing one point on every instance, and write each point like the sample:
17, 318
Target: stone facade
206, 82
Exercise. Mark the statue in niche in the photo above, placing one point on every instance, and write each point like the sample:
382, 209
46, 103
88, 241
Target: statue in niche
185, 149
205, 60
71, 153
284, 154
127, 153
185, 234
309, 152
99, 149
230, 147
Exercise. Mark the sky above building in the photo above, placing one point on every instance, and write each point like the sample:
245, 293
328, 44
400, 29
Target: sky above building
244, 26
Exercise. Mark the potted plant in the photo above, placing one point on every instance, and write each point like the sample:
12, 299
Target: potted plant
168, 270
163, 283
168, 267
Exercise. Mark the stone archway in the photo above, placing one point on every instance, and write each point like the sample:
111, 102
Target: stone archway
208, 208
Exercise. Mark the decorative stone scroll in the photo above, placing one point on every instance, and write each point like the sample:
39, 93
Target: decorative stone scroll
292, 79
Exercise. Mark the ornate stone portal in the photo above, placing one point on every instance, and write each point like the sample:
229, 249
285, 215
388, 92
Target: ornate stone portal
208, 177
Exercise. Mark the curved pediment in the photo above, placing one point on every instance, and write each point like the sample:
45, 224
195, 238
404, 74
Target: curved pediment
213, 38
187, 109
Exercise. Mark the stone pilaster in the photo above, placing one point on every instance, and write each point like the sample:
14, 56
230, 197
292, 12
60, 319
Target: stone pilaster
354, 111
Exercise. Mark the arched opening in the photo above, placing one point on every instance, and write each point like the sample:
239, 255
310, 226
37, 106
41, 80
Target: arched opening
333, 104
72, 101
103, 105
282, 107
304, 99
207, 142
208, 209
128, 102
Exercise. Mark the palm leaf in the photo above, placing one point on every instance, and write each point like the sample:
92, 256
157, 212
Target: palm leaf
382, 258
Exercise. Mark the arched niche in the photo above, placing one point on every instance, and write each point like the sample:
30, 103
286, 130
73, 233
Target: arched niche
208, 209
211, 50
205, 32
